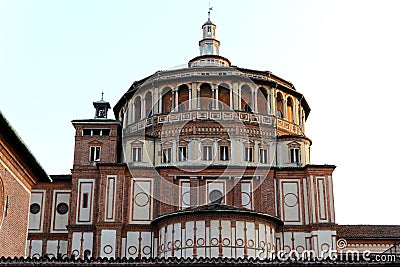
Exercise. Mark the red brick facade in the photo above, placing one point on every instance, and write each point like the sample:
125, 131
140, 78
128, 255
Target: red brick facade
18, 173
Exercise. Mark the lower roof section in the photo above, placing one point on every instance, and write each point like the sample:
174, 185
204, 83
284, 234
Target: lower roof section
375, 232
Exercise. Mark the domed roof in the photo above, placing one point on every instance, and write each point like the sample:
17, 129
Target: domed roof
208, 22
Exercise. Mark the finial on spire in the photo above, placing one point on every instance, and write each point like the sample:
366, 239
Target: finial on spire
209, 11
102, 94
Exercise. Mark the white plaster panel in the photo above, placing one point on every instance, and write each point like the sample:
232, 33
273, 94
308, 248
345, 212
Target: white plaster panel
141, 200
87, 243
305, 208
63, 248
214, 238
51, 249
59, 221
226, 236
146, 244
185, 194
123, 247
85, 191
168, 237
200, 238
321, 193
110, 198
36, 220
239, 239
247, 194
108, 241
36, 250
177, 239
291, 201
250, 239
132, 244
76, 243
189, 231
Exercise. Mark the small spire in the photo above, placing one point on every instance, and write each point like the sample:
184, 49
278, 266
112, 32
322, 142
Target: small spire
209, 11
102, 94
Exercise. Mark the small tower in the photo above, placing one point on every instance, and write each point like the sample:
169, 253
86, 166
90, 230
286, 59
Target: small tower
209, 45
96, 140
209, 48
102, 108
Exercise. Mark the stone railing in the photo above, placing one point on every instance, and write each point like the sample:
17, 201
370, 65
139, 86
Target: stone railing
222, 116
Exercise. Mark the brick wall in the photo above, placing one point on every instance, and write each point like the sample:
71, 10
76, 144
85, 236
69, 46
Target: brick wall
14, 227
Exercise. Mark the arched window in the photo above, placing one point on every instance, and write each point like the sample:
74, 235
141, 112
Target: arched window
167, 100
224, 97
149, 104
183, 97
205, 96
279, 105
138, 108
262, 101
289, 109
246, 98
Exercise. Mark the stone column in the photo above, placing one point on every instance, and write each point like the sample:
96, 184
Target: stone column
230, 98
284, 108
176, 99
143, 109
198, 98
190, 99
212, 98
160, 102
216, 99
255, 105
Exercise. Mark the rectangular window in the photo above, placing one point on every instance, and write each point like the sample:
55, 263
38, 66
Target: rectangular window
137, 154
166, 155
263, 155
85, 200
224, 153
100, 132
248, 154
182, 153
94, 153
207, 153
294, 155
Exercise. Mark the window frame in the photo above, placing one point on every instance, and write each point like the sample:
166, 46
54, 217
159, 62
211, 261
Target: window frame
95, 153
224, 152
209, 155
138, 156
295, 156
166, 157
264, 158
248, 154
180, 154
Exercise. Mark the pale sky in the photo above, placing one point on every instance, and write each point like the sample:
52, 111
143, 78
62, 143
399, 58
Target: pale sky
57, 56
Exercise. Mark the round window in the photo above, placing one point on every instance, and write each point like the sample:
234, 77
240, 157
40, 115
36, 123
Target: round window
62, 208
35, 208
216, 197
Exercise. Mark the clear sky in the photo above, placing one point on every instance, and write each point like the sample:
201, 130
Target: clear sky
57, 56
